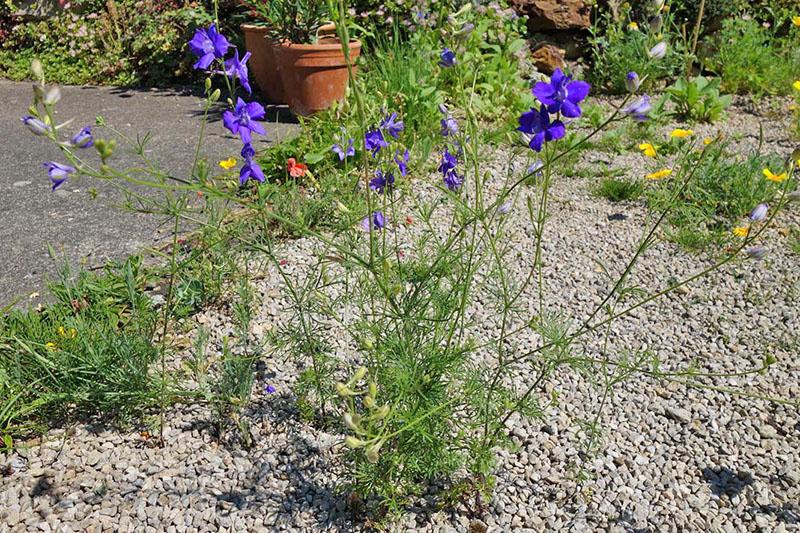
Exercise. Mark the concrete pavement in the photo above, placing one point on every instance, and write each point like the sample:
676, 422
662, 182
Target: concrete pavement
90, 231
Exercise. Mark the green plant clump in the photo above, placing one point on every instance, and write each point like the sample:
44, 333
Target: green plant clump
619, 190
698, 99
751, 59
724, 191
87, 354
617, 48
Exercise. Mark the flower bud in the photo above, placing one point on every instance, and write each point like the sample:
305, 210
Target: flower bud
53, 96
369, 402
38, 92
658, 51
759, 212
632, 82
208, 84
342, 390
656, 23
341, 207
352, 442
372, 451
215, 96
37, 70
373, 390
349, 422
35, 125
381, 413
359, 375
756, 252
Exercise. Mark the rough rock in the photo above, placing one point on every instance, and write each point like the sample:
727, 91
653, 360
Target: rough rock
547, 58
554, 14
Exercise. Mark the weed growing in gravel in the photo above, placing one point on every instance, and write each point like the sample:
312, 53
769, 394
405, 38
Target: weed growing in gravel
88, 354
618, 190
698, 99
724, 191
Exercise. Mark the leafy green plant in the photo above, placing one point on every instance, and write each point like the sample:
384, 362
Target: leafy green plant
123, 42
750, 59
725, 190
618, 48
88, 354
618, 190
293, 20
698, 99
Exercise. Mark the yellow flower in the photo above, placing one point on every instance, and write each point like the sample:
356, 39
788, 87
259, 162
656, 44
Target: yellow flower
648, 149
633, 26
70, 333
796, 85
679, 133
796, 20
708, 140
663, 173
741, 231
792, 107
51, 346
228, 164
777, 178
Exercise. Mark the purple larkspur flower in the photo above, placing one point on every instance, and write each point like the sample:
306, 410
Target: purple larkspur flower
269, 389
248, 151
449, 162
402, 162
208, 44
537, 124
58, 173
344, 153
392, 126
447, 58
251, 170
237, 68
639, 109
381, 182
374, 141
632, 82
36, 126
562, 94
377, 219
83, 139
449, 126
759, 212
242, 120
505, 207
452, 180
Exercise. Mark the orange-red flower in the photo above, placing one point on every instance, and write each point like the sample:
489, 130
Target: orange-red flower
296, 170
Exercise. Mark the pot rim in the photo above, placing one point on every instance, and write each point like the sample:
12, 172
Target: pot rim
354, 43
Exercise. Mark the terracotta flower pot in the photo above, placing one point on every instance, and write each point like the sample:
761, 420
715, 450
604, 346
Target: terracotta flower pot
263, 64
314, 75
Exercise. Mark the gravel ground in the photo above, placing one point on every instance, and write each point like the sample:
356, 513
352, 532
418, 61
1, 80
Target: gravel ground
671, 458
